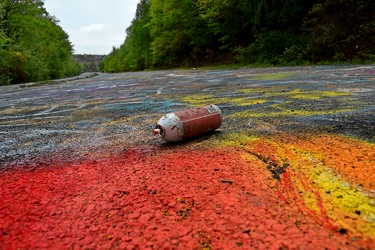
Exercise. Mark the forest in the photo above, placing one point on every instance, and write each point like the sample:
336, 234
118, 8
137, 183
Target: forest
195, 33
33, 47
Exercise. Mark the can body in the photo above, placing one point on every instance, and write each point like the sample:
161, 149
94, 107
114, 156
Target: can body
188, 123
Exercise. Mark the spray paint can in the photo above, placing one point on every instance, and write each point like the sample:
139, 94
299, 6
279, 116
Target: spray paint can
184, 124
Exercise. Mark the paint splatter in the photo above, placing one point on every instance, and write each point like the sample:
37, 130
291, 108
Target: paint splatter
167, 198
291, 166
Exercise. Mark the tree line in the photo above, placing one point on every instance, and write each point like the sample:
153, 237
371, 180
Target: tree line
33, 47
193, 33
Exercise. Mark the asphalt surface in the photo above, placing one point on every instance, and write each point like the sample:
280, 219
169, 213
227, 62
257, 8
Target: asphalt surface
82, 113
285, 119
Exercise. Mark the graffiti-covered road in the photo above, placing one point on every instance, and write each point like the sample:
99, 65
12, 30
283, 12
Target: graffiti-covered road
292, 166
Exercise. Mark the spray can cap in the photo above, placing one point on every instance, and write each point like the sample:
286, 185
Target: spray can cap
159, 131
156, 131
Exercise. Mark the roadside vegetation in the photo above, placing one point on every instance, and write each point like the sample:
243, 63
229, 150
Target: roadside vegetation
201, 33
89, 63
33, 47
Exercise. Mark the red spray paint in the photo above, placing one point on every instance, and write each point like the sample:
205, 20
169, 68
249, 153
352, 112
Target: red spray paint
188, 123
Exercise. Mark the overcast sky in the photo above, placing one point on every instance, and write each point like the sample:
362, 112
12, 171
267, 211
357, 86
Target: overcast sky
93, 26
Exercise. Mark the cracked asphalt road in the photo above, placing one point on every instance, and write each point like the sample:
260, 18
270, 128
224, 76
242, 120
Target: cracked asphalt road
296, 145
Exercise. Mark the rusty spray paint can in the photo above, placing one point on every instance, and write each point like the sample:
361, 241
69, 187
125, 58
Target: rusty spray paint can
184, 124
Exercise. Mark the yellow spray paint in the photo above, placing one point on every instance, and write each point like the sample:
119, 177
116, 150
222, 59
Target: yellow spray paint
312, 182
203, 99
278, 110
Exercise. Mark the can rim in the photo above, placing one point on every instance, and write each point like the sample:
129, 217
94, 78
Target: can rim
159, 131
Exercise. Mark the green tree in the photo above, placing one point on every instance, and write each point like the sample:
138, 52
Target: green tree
34, 46
110, 62
241, 22
179, 34
342, 30
228, 20
5, 59
135, 52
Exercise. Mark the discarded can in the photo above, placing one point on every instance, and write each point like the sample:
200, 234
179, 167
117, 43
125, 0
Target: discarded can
188, 123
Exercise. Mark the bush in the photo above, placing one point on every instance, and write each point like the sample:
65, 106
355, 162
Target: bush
341, 30
33, 47
274, 48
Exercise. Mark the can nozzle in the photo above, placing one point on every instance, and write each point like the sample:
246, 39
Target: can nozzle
156, 131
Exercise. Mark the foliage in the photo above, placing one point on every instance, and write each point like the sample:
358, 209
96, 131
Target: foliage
135, 53
88, 63
342, 30
238, 22
275, 48
33, 46
177, 32
5, 59
193, 33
